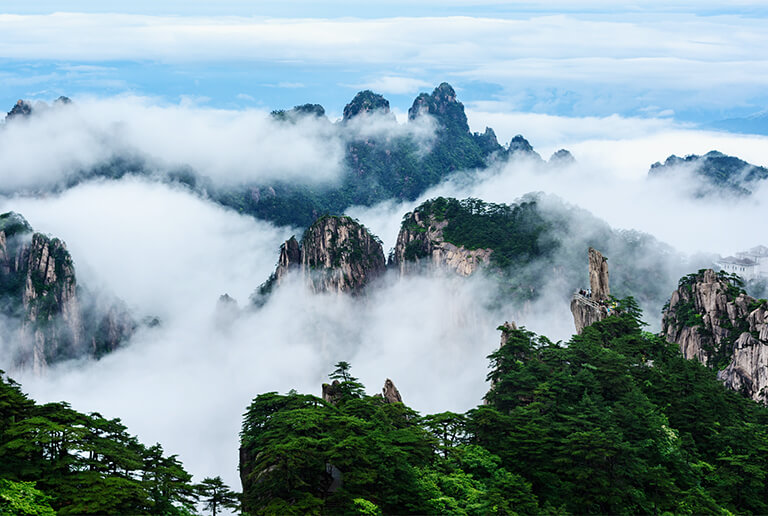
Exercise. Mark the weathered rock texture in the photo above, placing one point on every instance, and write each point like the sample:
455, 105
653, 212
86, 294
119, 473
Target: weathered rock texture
38, 290
336, 254
390, 393
331, 392
589, 309
714, 321
421, 242
598, 275
586, 312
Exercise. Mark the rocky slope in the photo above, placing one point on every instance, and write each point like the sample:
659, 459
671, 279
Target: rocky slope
336, 254
421, 242
592, 306
39, 297
714, 321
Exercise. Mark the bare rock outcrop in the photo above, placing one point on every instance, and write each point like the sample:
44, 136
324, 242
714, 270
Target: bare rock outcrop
714, 321
390, 393
421, 242
331, 392
38, 289
336, 254
598, 275
591, 306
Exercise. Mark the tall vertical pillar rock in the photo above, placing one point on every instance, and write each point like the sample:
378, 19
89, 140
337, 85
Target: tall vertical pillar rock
598, 276
588, 308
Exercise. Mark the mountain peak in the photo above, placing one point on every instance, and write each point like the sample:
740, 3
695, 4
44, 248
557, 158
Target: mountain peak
365, 102
22, 108
443, 105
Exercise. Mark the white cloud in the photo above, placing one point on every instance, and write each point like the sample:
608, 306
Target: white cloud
172, 254
679, 50
395, 84
547, 133
228, 146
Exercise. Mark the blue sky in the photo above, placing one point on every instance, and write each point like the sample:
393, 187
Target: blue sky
692, 61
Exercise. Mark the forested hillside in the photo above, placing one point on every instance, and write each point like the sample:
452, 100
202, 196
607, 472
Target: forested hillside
615, 421
54, 459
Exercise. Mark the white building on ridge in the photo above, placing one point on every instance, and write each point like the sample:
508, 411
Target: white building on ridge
747, 264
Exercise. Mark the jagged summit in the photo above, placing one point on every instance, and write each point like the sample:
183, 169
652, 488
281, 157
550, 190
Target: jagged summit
22, 109
336, 254
713, 320
40, 296
561, 157
520, 147
366, 102
443, 105
592, 305
487, 141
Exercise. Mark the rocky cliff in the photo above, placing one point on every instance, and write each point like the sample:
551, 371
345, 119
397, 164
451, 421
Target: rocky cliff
39, 295
591, 306
421, 242
336, 254
714, 321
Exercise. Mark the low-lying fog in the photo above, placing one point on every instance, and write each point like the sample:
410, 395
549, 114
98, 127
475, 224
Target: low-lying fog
169, 253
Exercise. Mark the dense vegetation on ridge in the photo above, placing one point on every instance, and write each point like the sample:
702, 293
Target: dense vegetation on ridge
540, 239
376, 168
717, 173
614, 422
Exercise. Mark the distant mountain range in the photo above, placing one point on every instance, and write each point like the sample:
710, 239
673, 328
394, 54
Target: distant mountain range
376, 168
716, 172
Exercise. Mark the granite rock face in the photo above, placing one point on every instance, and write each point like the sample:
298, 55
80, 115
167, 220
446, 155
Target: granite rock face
390, 393
714, 321
589, 307
598, 275
38, 289
421, 242
586, 312
336, 254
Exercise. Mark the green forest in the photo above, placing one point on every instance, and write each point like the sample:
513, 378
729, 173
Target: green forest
56, 460
615, 421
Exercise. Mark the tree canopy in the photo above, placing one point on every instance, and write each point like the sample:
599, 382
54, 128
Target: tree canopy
53, 457
614, 422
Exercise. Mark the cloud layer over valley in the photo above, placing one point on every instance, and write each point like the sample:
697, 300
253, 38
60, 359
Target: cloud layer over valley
169, 252
59, 143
